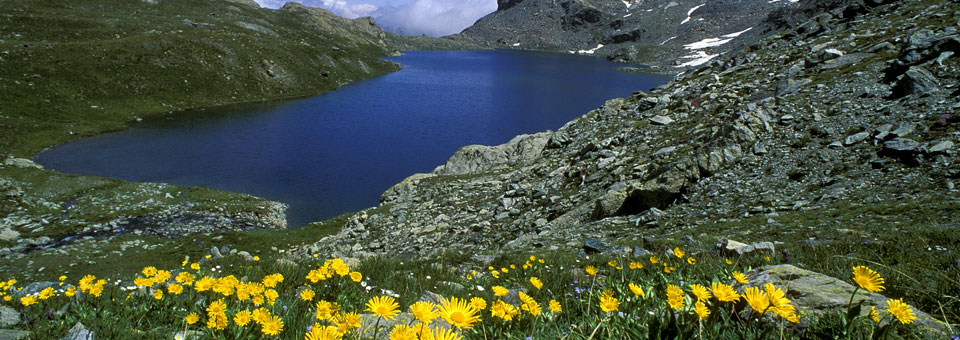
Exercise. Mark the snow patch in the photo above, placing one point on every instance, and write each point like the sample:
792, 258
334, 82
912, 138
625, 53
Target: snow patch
627, 3
650, 10
590, 51
699, 58
628, 15
736, 34
708, 42
791, 1
689, 13
517, 44
665, 41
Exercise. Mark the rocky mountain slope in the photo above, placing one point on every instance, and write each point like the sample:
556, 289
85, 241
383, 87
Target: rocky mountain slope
659, 33
836, 138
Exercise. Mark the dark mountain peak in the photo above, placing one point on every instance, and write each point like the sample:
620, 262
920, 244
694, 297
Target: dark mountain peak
505, 4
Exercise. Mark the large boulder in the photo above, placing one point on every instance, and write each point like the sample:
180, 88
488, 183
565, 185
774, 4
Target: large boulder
816, 294
520, 151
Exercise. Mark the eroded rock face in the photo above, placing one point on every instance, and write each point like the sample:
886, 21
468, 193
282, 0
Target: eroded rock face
816, 294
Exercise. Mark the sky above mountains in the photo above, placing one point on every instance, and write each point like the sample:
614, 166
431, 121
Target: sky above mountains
410, 17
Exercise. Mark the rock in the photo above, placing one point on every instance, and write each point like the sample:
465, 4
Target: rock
901, 145
661, 120
641, 253
8, 316
731, 247
188, 335
594, 246
431, 297
518, 152
941, 147
917, 81
215, 252
22, 163
13, 334
9, 235
856, 138
245, 255
816, 294
79, 332
904, 130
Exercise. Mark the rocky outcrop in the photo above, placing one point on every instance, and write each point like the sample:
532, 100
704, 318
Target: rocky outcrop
651, 32
519, 152
816, 294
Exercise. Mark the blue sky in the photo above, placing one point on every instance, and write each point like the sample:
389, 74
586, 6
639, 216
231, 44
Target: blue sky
413, 17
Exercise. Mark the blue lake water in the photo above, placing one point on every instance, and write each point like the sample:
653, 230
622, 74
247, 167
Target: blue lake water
337, 152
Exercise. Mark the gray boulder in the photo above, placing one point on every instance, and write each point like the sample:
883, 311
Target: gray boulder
731, 247
13, 334
520, 151
79, 332
8, 316
815, 294
916, 81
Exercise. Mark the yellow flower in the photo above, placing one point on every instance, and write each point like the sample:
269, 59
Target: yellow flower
403, 332
424, 311
191, 318
637, 291
536, 282
740, 277
271, 281
158, 294
728, 262
149, 271
636, 265
272, 325
97, 287
612, 263
28, 300
701, 310
668, 269
271, 296
184, 278
326, 309
195, 266
62, 278
591, 270
70, 292
675, 297
445, 334
47, 293
868, 279
700, 292
555, 306
175, 289
217, 307
7, 298
204, 284
691, 261
874, 315
217, 321
724, 292
307, 295
503, 310
757, 299
356, 276
383, 306
242, 318
513, 266
900, 310
143, 282
500, 291
318, 332
609, 303
162, 276
260, 315
256, 258
458, 313
530, 305
478, 303
540, 261
86, 283
779, 302
679, 253
347, 321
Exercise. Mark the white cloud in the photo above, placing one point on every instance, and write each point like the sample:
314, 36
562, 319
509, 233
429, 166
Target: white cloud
414, 17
